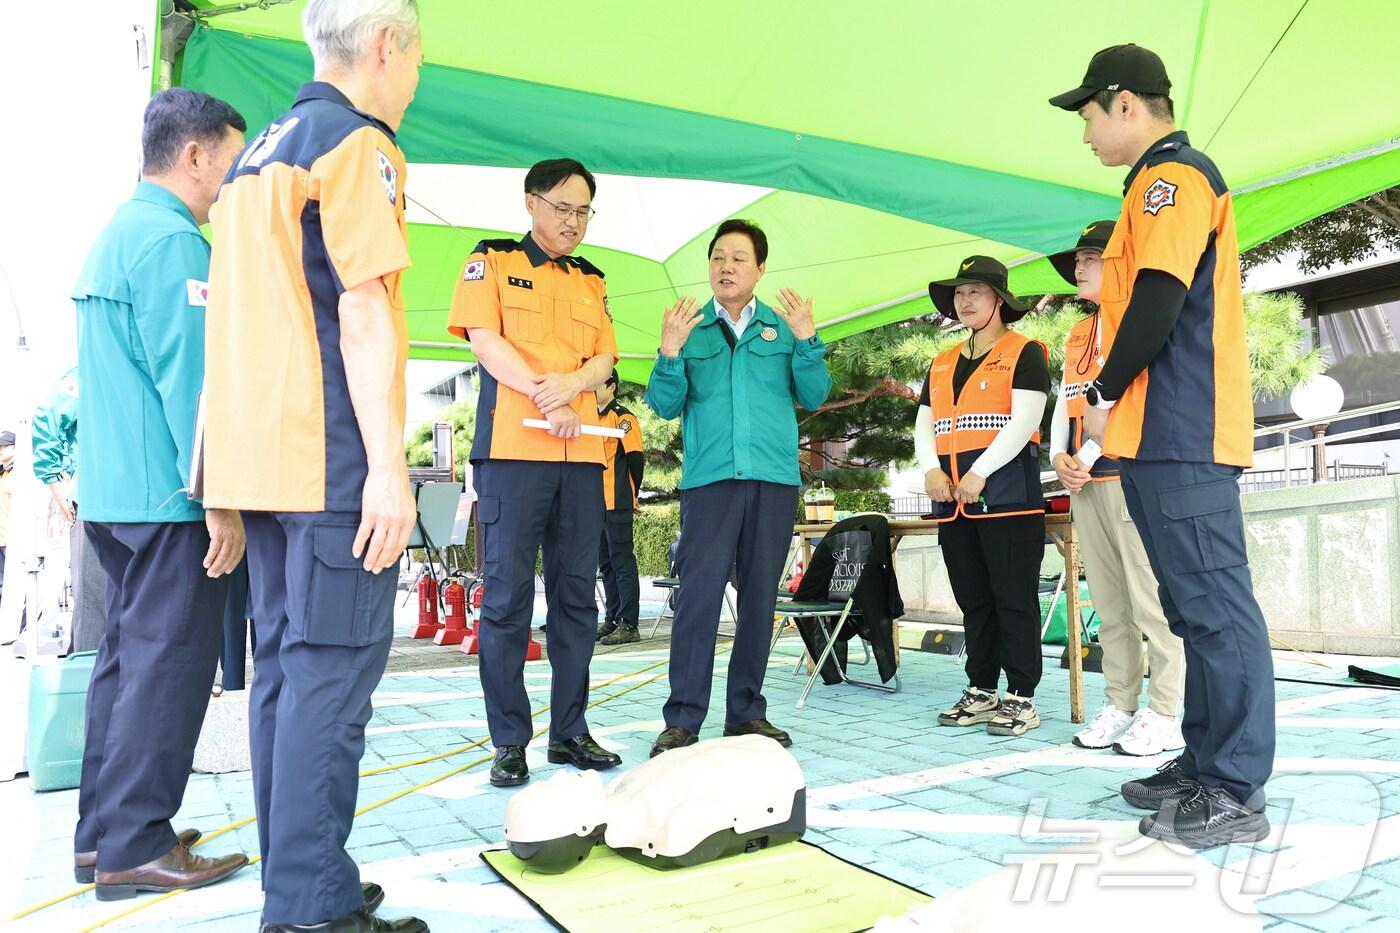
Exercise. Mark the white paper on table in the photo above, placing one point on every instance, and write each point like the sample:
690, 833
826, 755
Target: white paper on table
584, 429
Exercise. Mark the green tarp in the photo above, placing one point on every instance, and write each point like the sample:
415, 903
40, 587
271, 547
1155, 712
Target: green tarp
878, 144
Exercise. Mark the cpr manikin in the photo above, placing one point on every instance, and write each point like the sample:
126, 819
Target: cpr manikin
691, 805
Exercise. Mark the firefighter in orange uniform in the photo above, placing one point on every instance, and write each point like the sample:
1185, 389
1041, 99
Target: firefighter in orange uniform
622, 481
1173, 404
977, 437
537, 319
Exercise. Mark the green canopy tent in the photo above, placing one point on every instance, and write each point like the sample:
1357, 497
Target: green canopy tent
878, 144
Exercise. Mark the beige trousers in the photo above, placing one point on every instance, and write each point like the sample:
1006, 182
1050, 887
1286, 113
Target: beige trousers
1124, 593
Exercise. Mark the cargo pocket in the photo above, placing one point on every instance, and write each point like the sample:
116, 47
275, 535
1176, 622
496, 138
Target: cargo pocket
345, 605
1202, 528
488, 513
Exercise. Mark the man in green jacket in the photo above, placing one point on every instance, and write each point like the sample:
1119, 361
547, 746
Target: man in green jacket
140, 303
732, 371
54, 430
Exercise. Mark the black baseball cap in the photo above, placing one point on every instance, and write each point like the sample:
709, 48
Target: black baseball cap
1094, 236
1118, 68
977, 270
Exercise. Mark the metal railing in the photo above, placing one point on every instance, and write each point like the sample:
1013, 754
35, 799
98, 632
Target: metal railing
1262, 480
1289, 445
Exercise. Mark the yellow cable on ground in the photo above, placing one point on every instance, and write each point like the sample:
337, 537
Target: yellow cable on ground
208, 837
1313, 659
387, 800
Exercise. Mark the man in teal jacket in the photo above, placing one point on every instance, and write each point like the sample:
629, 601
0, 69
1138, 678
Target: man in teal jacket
54, 430
732, 371
140, 306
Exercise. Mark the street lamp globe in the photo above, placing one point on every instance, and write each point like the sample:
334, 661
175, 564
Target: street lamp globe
1319, 397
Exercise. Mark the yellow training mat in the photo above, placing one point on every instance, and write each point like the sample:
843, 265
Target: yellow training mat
798, 886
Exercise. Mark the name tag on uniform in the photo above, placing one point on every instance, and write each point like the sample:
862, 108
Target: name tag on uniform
521, 283
198, 292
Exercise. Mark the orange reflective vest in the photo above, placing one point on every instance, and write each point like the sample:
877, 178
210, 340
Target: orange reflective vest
1084, 358
964, 427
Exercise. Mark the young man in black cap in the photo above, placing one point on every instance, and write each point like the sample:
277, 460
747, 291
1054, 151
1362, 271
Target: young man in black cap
1173, 403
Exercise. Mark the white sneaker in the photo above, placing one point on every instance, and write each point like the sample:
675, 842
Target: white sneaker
1150, 734
973, 707
1104, 730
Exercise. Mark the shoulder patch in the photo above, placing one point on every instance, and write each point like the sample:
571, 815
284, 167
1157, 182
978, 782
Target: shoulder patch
197, 292
625, 425
389, 175
1161, 193
474, 271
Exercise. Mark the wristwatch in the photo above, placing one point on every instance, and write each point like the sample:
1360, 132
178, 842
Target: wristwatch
1094, 396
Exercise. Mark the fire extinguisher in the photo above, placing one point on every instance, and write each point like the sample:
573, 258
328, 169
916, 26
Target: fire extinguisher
454, 596
427, 600
476, 594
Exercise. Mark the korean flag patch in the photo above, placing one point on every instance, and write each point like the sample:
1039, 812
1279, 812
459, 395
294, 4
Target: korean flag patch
1158, 195
390, 176
475, 271
198, 293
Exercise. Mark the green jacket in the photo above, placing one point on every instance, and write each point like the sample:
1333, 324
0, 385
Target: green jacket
140, 300
736, 405
55, 431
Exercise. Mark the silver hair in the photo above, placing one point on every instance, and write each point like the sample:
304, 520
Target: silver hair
340, 32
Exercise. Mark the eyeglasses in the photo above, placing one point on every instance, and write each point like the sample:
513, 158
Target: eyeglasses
582, 214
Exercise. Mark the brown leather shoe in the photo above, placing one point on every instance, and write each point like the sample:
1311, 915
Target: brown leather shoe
178, 868
85, 863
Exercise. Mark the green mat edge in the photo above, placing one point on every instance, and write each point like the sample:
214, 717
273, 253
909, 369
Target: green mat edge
559, 926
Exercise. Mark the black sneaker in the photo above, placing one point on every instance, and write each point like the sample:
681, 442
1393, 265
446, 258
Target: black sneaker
607, 628
625, 635
1209, 817
1171, 782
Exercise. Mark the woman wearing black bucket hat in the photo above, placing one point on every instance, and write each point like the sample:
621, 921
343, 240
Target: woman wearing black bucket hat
1115, 561
977, 436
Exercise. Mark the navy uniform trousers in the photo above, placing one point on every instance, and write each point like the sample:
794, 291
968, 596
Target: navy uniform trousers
617, 562
323, 626
1191, 523
523, 505
149, 688
743, 524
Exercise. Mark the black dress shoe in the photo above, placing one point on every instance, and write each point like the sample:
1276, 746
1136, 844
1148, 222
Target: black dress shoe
1171, 782
374, 896
361, 921
673, 737
1211, 816
759, 727
509, 768
583, 753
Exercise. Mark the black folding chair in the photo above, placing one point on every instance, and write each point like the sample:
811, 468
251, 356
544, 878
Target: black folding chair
850, 563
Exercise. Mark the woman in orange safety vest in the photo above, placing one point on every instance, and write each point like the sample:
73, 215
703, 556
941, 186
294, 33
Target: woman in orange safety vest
977, 436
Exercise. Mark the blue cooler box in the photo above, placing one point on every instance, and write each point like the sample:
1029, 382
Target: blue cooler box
57, 721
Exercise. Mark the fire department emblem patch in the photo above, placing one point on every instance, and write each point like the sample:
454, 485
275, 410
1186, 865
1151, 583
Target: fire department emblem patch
1158, 195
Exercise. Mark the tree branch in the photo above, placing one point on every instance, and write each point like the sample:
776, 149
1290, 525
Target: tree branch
886, 387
